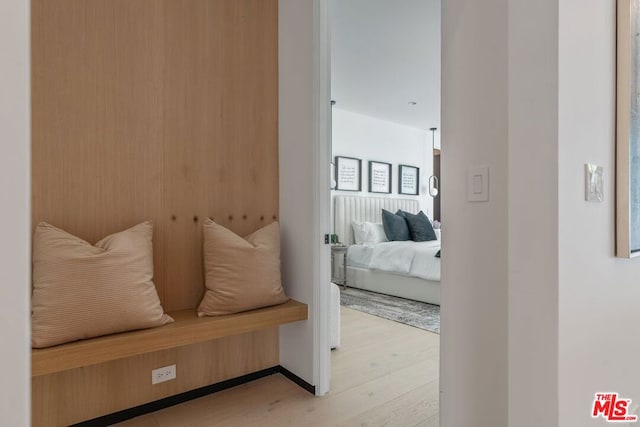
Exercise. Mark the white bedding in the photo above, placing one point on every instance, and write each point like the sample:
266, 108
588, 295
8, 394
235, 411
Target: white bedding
409, 258
359, 256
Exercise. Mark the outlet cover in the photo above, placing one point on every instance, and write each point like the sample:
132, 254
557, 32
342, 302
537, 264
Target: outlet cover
163, 374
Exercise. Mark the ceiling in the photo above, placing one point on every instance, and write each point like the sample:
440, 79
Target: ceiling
384, 55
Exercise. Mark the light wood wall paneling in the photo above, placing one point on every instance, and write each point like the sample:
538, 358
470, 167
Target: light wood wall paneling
161, 110
80, 394
187, 329
220, 128
97, 153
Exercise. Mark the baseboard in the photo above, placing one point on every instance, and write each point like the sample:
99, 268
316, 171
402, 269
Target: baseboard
137, 411
296, 379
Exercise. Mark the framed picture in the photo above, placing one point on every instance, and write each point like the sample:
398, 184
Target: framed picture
379, 177
628, 130
348, 174
408, 180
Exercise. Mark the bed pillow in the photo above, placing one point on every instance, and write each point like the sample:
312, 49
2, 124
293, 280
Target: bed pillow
358, 231
368, 233
240, 273
395, 226
83, 291
373, 233
420, 227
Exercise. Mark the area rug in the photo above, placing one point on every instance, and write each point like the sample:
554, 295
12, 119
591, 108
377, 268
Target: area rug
414, 313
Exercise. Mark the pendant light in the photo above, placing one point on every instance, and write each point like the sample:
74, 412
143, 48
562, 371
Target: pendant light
433, 183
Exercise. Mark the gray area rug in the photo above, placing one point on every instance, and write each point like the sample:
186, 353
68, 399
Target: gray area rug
414, 313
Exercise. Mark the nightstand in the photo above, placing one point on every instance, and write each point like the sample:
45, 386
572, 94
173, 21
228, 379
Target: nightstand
339, 250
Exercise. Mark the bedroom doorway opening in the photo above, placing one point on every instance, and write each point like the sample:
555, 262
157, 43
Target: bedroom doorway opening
385, 202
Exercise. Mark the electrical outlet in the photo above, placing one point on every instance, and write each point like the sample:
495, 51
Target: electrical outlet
163, 374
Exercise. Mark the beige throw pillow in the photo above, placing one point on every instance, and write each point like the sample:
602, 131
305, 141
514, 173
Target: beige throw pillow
83, 291
240, 274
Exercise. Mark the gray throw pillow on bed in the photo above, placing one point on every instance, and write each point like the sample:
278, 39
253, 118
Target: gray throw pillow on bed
395, 226
420, 227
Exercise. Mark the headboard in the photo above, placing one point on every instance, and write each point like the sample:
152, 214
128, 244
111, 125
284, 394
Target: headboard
357, 208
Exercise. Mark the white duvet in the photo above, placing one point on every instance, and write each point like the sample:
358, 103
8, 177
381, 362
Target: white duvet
410, 258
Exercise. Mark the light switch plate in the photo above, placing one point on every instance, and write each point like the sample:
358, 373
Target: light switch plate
593, 183
478, 184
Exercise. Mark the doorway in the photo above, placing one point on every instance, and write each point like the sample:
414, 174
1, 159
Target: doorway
385, 98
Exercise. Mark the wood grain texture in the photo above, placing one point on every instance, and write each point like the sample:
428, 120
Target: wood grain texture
220, 128
384, 374
97, 153
84, 393
623, 127
188, 328
161, 110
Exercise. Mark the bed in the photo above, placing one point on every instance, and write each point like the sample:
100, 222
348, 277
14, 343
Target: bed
417, 277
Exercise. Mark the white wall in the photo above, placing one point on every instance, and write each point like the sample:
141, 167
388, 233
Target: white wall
508, 320
473, 340
15, 264
532, 209
296, 183
384, 54
304, 346
573, 307
599, 294
368, 138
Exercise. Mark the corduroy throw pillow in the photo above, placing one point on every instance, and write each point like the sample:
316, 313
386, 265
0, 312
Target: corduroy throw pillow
83, 291
241, 273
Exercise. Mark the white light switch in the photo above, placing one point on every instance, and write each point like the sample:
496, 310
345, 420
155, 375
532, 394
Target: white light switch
478, 184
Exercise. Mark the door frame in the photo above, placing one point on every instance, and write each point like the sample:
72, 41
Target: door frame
322, 194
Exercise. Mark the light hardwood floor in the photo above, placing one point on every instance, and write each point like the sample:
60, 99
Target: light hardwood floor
385, 374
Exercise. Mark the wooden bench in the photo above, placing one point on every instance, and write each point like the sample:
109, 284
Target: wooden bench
86, 379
